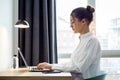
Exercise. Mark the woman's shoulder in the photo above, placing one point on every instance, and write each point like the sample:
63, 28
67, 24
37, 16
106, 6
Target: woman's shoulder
94, 39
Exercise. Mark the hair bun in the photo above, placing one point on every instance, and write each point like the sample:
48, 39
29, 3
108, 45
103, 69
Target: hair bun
90, 9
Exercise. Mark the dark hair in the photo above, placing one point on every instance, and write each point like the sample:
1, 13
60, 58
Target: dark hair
82, 12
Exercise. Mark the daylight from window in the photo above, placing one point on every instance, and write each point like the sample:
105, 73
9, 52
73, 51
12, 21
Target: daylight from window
106, 26
66, 39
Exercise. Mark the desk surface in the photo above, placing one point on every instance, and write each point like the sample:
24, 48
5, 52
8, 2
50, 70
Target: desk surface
24, 74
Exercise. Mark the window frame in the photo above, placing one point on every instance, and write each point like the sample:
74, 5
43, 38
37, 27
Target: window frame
105, 53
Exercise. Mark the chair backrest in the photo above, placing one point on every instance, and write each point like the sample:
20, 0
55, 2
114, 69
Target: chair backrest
99, 77
78, 76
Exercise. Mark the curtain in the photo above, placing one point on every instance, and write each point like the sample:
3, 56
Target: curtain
38, 43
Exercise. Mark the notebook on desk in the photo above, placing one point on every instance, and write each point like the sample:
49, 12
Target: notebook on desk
35, 69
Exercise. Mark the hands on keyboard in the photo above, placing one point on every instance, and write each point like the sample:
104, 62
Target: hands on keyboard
44, 70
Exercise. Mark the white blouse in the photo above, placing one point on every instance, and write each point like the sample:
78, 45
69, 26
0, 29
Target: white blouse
85, 58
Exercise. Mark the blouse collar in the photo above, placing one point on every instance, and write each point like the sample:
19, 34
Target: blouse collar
85, 35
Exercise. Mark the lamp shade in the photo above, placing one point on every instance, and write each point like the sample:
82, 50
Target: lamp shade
22, 24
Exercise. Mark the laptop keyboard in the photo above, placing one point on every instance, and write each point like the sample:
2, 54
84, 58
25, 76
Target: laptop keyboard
44, 70
39, 70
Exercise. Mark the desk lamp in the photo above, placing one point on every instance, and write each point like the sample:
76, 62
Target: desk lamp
21, 24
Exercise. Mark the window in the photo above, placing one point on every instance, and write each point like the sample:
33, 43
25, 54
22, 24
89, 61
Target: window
65, 35
106, 26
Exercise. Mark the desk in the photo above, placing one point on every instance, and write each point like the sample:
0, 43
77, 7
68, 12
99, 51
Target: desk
24, 74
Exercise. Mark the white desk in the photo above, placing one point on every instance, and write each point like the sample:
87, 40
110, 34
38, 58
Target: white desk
24, 74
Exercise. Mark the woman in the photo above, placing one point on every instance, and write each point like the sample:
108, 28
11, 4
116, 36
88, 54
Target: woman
86, 56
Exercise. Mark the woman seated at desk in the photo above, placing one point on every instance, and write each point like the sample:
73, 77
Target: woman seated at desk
86, 57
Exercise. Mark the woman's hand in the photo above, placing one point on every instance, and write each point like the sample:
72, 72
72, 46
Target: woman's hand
44, 65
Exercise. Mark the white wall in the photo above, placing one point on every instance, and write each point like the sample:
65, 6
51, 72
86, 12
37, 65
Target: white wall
6, 33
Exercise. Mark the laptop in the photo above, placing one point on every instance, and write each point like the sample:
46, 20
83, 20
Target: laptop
35, 69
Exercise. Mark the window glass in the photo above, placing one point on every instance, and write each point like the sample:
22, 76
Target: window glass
66, 39
108, 24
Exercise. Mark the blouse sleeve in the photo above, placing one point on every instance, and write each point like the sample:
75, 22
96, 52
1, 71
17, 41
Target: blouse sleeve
81, 63
67, 66
90, 54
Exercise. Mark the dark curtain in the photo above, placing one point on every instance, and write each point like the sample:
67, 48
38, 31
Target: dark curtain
38, 43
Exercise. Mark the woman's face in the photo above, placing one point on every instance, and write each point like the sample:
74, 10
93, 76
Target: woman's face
76, 24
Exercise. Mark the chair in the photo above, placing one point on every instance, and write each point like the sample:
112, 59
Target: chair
99, 77
78, 76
